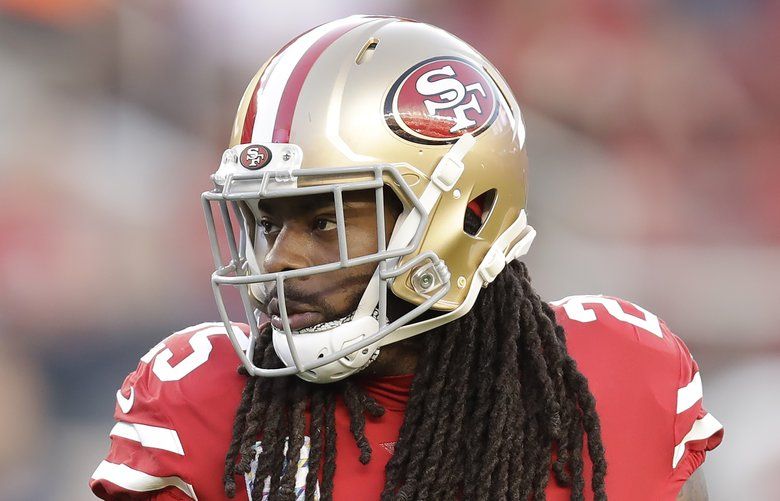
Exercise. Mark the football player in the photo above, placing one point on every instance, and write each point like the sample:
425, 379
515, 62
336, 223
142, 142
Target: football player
373, 212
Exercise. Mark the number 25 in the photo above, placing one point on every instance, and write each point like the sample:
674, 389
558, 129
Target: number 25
576, 310
201, 349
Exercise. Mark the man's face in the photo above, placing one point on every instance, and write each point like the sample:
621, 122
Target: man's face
299, 232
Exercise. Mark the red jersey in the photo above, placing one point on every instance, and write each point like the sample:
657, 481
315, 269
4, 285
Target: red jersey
175, 413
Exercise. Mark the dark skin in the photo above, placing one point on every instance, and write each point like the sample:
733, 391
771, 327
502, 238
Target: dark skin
301, 232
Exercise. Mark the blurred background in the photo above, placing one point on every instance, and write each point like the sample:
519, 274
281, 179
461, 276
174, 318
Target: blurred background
653, 131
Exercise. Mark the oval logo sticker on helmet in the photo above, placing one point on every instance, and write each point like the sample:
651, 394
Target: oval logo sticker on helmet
255, 156
440, 99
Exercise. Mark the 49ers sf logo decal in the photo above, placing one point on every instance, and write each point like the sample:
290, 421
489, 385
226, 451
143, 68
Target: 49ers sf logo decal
439, 100
255, 156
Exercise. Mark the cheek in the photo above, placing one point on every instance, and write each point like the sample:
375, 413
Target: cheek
346, 287
303, 249
352, 282
361, 239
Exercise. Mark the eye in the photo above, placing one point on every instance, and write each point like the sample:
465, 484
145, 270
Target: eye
323, 224
267, 227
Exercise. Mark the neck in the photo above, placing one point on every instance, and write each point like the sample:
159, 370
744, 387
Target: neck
396, 359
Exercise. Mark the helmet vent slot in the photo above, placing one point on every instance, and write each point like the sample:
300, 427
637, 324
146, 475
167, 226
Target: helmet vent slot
478, 212
367, 52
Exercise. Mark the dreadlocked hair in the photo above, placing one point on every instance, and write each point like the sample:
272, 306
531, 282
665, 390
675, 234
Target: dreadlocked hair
495, 405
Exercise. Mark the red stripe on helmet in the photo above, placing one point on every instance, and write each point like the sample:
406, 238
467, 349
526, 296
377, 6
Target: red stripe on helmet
291, 92
251, 111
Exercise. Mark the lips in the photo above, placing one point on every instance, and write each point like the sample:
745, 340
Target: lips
300, 315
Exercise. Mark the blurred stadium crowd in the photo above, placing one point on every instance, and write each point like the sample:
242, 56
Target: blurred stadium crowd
653, 132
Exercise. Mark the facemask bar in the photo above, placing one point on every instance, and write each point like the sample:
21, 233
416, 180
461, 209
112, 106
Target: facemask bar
265, 184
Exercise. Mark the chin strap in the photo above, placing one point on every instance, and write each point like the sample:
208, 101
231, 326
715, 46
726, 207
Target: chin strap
312, 345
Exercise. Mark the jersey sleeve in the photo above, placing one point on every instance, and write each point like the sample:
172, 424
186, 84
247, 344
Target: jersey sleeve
696, 431
648, 392
174, 418
146, 460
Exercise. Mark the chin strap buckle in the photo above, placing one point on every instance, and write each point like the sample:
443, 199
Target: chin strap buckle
514, 243
492, 265
450, 167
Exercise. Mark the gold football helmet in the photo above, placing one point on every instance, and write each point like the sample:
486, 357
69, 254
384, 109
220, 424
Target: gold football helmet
369, 102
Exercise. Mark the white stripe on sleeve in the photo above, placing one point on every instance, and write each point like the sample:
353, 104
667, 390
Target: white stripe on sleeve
149, 436
689, 395
138, 481
701, 429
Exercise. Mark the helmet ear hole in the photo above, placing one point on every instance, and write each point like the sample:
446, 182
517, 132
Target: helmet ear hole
478, 211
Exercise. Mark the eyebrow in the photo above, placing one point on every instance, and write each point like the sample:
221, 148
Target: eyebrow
263, 207
317, 205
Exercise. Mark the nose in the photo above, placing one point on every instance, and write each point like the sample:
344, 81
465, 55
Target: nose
290, 250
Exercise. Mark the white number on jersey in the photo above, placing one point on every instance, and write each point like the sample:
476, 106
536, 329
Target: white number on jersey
201, 349
576, 310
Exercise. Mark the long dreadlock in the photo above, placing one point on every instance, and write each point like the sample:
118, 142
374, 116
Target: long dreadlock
497, 383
